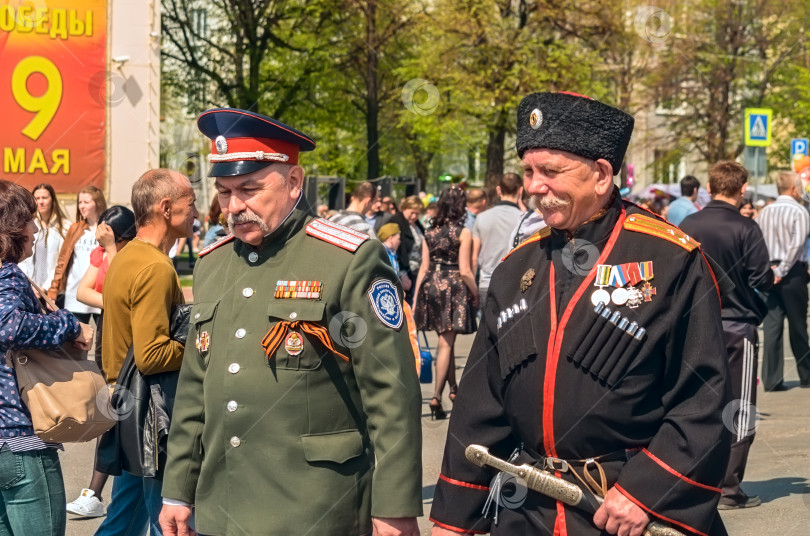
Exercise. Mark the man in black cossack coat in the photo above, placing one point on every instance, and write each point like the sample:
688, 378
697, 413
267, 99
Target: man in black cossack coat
600, 354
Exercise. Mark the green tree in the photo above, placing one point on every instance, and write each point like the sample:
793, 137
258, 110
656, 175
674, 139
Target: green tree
721, 57
484, 56
253, 54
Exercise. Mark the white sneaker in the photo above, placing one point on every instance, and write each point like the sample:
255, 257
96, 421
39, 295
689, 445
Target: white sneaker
87, 505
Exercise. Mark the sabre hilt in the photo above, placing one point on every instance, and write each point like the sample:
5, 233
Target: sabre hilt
552, 486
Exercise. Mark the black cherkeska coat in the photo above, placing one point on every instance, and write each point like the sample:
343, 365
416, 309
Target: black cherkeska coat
532, 377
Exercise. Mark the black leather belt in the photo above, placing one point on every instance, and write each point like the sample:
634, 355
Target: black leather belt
444, 267
557, 464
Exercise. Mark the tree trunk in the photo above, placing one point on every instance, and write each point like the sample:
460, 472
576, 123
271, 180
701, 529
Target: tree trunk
421, 162
372, 99
495, 156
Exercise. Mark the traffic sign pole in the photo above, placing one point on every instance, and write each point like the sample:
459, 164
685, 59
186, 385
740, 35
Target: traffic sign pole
757, 134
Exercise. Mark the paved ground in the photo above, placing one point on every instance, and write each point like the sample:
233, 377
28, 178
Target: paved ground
777, 471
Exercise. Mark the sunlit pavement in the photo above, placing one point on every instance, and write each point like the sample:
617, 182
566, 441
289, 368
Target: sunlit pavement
778, 469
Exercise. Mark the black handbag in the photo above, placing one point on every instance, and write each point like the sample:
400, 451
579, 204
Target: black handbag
137, 443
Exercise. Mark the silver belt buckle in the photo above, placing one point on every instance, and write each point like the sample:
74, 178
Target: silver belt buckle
556, 464
438, 267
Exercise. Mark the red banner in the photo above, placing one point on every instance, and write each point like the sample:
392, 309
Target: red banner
53, 92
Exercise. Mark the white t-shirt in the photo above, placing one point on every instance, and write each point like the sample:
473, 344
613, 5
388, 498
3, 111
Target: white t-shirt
81, 262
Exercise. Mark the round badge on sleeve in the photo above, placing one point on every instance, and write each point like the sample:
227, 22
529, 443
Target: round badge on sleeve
384, 300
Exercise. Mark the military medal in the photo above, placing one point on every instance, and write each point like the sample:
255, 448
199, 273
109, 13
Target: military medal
203, 340
310, 290
620, 296
646, 270
526, 280
602, 278
648, 291
294, 343
635, 298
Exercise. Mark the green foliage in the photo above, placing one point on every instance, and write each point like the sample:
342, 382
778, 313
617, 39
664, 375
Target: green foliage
444, 77
724, 56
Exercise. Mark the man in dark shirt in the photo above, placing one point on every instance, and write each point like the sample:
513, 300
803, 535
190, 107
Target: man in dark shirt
736, 244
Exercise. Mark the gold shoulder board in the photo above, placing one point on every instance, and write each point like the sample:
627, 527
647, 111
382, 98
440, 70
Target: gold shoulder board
662, 229
538, 235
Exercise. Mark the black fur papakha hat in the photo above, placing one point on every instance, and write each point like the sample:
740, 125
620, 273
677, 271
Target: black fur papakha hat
575, 124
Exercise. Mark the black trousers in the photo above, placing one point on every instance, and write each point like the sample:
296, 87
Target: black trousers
99, 318
740, 417
787, 299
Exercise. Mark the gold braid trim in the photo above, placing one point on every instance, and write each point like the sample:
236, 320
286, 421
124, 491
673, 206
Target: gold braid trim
651, 226
538, 235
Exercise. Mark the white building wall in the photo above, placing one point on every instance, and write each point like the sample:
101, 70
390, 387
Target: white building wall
133, 92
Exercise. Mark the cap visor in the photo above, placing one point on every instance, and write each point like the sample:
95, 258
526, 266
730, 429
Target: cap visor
236, 168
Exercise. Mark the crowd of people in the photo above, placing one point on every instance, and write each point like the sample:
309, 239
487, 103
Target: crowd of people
609, 341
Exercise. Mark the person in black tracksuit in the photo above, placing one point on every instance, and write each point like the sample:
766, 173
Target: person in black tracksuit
737, 245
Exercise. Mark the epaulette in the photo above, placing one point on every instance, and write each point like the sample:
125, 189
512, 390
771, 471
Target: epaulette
538, 235
655, 227
224, 240
336, 234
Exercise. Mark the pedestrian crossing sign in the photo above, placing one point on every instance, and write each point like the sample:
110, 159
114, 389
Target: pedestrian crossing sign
757, 123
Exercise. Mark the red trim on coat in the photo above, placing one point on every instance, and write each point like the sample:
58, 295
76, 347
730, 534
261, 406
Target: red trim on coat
455, 529
659, 516
669, 469
551, 371
553, 354
460, 483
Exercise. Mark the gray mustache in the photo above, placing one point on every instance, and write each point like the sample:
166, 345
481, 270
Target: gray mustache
246, 217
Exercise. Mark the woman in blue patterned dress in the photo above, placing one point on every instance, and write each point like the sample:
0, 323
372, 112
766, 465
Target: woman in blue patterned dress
32, 492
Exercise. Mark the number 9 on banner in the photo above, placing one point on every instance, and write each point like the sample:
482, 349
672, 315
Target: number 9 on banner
45, 105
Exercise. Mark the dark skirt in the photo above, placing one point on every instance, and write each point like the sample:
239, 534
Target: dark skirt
444, 304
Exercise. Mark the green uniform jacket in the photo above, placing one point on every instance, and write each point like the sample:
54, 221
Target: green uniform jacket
294, 444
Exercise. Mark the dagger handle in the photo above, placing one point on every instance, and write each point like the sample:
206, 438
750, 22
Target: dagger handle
658, 529
536, 479
549, 485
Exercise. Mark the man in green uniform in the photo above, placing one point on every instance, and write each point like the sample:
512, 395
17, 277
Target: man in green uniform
298, 405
